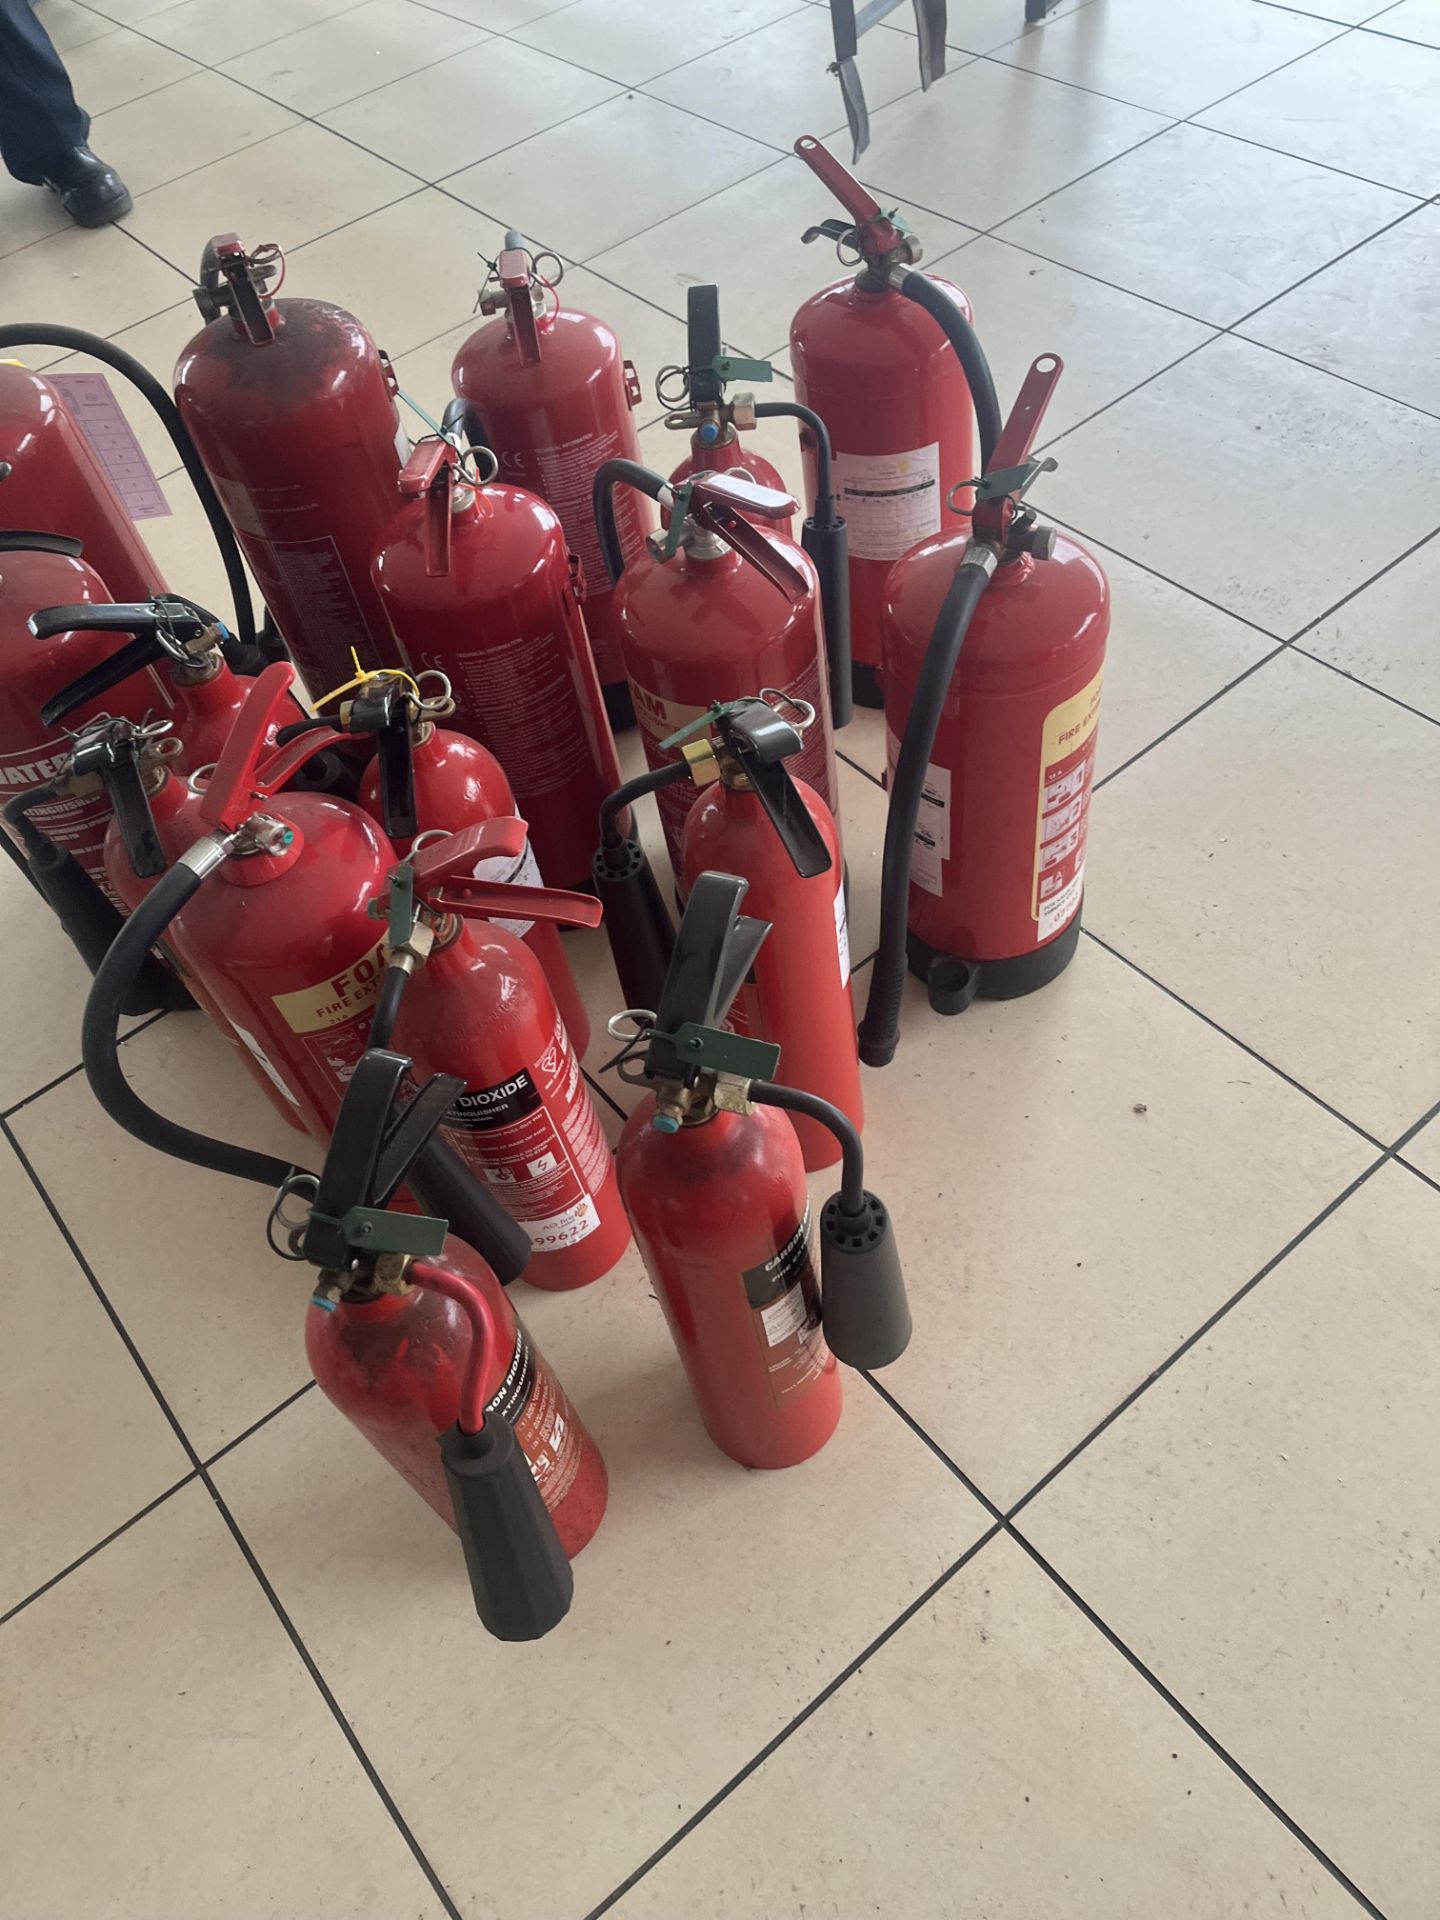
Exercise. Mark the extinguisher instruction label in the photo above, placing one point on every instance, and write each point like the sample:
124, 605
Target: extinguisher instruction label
332, 1017
890, 500
536, 1139
566, 479
524, 701
1067, 775
931, 847
784, 1297
534, 1404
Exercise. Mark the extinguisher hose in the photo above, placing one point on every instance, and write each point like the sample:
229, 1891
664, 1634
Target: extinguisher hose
24, 333
824, 457
387, 1004
767, 1093
472, 1303
616, 804
100, 1050
949, 315
609, 475
826, 539
880, 1028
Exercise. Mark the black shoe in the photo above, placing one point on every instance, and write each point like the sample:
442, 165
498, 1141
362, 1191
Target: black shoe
90, 192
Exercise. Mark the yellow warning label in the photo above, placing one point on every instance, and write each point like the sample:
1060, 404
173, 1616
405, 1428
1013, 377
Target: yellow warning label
330, 1003
1062, 814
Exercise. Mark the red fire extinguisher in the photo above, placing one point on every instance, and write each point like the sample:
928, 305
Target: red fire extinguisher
479, 1007
713, 1178
888, 361
548, 389
412, 1338
425, 776
752, 820
476, 582
717, 608
292, 408
994, 648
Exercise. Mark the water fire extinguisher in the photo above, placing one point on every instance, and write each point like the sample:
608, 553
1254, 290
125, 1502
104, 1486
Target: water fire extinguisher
268, 913
477, 1005
412, 1338
752, 819
696, 395
889, 361
55, 482
427, 777
994, 648
292, 408
713, 1179
549, 390
476, 582
717, 608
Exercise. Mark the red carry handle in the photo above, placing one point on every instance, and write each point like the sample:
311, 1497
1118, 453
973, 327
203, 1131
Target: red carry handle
513, 268
444, 875
873, 229
500, 838
722, 503
995, 506
429, 475
225, 259
242, 777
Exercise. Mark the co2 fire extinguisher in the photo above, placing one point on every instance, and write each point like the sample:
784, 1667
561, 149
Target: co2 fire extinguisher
476, 583
410, 1335
713, 1179
427, 777
717, 608
696, 395
548, 389
889, 361
479, 1006
292, 408
776, 834
994, 648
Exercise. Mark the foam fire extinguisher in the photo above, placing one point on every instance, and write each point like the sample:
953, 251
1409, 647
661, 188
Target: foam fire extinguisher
696, 393
412, 1338
714, 1182
889, 361
476, 583
717, 608
268, 912
427, 777
994, 648
47, 464
776, 833
292, 408
478, 1006
549, 390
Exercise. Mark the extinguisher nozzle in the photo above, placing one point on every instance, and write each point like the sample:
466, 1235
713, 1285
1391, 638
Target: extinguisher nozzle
520, 1578
637, 921
866, 1311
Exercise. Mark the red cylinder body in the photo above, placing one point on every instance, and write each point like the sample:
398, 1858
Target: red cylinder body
32, 670
394, 1367
722, 1221
282, 944
553, 423
503, 624
885, 380
303, 442
696, 630
459, 784
999, 860
56, 484
730, 455
176, 812
480, 1008
798, 994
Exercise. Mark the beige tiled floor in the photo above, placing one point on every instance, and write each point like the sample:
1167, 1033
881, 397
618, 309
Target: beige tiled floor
1120, 1600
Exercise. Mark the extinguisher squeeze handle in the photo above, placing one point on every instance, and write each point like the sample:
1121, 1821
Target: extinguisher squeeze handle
112, 752
429, 475
241, 777
872, 224
160, 628
502, 838
516, 276
88, 687
445, 876
715, 948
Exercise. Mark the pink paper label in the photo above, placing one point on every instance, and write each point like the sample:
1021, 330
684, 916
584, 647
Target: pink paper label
90, 399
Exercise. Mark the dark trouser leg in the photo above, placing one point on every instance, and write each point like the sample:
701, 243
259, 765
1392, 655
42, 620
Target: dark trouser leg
39, 120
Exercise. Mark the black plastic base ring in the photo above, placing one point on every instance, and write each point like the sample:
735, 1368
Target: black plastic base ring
865, 685
954, 982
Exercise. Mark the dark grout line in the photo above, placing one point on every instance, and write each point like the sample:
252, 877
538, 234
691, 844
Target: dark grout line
99, 1545
1315, 272
1299, 1086
1275, 639
976, 1492
1196, 1726
256, 1425
1416, 1126
1419, 1172
855, 767
1185, 720
131, 1033
1368, 685
1345, 599
792, 1726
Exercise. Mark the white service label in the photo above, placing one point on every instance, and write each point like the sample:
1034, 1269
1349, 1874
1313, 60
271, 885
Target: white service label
521, 871
931, 846
890, 500
842, 929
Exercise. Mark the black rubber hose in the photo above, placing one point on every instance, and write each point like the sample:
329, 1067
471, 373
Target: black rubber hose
617, 803
880, 1028
17, 815
608, 475
387, 1004
826, 539
284, 735
767, 1093
946, 311
824, 456
23, 333
101, 1053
